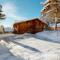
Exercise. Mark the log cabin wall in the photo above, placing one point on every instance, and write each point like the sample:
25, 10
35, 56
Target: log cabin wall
53, 28
31, 26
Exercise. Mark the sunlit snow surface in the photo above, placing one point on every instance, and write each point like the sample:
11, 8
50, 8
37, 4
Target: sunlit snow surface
41, 46
53, 36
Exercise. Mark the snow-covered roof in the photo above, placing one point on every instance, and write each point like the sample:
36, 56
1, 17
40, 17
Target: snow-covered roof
19, 21
53, 25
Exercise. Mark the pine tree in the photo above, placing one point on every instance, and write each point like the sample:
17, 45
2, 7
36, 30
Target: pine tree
2, 16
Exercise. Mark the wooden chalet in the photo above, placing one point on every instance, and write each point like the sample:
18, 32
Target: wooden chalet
29, 26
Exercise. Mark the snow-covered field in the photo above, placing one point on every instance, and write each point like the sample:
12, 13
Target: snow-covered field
29, 46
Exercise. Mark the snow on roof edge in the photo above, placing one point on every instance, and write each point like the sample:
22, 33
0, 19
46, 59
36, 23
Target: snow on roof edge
19, 21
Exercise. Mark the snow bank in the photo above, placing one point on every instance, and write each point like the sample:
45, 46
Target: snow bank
5, 54
49, 36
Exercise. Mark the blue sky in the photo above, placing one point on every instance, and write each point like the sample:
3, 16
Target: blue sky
19, 10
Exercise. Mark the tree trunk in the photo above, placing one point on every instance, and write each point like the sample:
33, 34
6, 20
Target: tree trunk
55, 23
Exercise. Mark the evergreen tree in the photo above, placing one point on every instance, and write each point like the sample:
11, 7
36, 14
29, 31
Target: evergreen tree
2, 16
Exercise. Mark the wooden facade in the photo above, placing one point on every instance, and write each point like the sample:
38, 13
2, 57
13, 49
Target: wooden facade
30, 26
53, 28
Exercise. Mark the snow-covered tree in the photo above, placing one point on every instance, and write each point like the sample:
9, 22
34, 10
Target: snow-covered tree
2, 16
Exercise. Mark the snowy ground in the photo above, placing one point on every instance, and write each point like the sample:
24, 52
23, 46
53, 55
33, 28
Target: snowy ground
29, 47
53, 36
